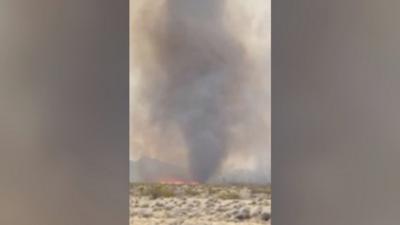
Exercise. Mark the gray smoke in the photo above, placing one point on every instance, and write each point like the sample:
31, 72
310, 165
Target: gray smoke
193, 72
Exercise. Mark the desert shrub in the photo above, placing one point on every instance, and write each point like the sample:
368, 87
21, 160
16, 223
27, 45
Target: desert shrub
141, 189
262, 190
160, 191
191, 192
228, 195
212, 190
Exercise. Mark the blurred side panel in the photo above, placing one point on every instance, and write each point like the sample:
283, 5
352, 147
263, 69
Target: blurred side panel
64, 112
335, 111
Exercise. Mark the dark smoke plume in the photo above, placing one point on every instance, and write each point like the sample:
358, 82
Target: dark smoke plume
193, 70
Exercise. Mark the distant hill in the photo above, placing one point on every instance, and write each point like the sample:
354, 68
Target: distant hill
152, 170
242, 176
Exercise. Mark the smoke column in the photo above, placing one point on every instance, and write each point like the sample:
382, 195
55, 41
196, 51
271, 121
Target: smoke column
193, 75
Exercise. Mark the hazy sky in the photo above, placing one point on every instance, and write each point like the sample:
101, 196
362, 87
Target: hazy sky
201, 61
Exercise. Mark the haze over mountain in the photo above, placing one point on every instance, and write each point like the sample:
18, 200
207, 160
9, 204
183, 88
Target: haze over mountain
152, 170
148, 169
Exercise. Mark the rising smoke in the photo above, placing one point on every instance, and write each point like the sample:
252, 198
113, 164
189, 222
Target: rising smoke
200, 74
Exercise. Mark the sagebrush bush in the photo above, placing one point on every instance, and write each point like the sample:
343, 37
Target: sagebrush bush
212, 190
191, 192
160, 191
262, 190
228, 195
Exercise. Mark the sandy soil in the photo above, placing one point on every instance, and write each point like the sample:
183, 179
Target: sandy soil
155, 204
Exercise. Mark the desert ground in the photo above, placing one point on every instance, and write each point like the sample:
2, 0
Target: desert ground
199, 204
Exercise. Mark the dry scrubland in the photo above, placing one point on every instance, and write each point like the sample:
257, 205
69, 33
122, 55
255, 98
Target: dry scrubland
167, 204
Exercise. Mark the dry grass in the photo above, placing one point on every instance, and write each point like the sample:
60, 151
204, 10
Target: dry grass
228, 195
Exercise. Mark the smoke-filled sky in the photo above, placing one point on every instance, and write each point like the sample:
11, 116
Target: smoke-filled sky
200, 84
